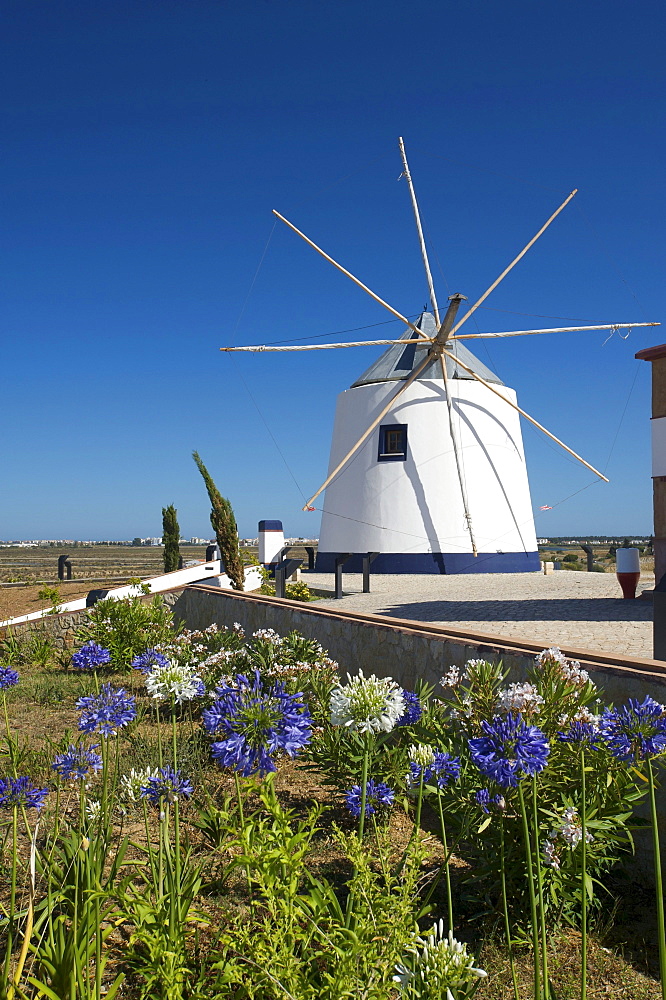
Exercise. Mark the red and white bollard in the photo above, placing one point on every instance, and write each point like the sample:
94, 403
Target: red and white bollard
628, 571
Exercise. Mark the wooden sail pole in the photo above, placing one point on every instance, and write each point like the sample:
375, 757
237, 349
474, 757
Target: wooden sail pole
258, 348
419, 229
463, 491
512, 264
554, 329
527, 416
350, 275
430, 340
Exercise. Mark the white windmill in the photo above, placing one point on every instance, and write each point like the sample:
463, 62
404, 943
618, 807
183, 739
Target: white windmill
427, 470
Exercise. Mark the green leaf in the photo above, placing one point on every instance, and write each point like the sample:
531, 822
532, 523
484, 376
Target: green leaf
487, 821
43, 989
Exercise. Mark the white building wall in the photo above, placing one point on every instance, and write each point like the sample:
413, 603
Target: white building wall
416, 505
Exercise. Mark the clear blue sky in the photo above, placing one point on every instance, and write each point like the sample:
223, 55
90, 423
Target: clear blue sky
145, 145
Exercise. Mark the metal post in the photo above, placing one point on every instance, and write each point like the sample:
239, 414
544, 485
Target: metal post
311, 556
64, 566
282, 572
340, 560
279, 581
368, 559
587, 549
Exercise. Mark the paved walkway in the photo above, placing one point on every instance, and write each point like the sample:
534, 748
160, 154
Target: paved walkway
567, 608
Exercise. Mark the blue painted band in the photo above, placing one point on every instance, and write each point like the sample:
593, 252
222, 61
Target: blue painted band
436, 562
270, 526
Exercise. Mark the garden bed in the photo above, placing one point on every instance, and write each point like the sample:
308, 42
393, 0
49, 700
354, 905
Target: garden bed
199, 881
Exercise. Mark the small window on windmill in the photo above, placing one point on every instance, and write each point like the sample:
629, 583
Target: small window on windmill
392, 443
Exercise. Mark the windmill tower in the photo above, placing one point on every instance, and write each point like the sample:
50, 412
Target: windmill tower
427, 469
428, 494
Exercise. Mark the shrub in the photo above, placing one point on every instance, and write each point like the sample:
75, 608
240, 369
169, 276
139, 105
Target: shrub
171, 537
127, 628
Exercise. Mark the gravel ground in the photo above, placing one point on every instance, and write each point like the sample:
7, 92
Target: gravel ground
583, 610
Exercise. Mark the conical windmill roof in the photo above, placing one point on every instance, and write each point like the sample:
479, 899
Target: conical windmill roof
398, 361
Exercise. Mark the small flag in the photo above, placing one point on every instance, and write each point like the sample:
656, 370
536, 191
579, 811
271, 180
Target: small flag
545, 508
310, 508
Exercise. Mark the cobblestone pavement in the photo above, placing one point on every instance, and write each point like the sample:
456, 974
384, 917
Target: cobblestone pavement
566, 608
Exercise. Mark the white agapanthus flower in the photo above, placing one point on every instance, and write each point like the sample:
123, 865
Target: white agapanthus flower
132, 783
367, 704
93, 809
174, 680
520, 698
422, 755
438, 966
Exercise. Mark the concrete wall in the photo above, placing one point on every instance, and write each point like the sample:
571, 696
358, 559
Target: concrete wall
406, 650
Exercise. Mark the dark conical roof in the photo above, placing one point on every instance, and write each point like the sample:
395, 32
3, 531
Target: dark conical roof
398, 361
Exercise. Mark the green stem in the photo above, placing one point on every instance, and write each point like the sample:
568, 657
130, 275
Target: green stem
159, 734
241, 827
364, 792
177, 887
505, 907
542, 908
583, 891
449, 896
10, 742
174, 739
530, 886
658, 879
12, 896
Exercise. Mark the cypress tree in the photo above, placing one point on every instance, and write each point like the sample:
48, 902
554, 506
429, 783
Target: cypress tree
170, 537
224, 525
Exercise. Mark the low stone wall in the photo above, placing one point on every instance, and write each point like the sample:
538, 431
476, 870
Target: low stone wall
408, 651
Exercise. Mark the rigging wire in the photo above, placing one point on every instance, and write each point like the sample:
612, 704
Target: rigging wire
240, 373
252, 283
622, 416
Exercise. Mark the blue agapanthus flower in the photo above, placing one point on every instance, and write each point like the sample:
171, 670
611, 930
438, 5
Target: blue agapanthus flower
413, 709
106, 712
442, 770
509, 750
146, 661
377, 795
256, 723
21, 792
635, 731
167, 784
484, 799
91, 657
8, 678
77, 761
